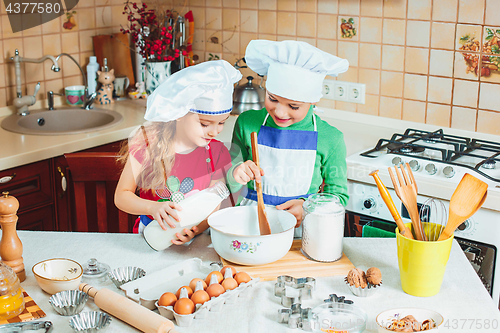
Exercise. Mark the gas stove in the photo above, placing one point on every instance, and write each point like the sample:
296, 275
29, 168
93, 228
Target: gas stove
438, 162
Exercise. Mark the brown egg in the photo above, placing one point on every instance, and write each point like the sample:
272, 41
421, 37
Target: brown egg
242, 277
167, 299
215, 290
223, 270
220, 277
184, 306
192, 284
200, 297
229, 283
188, 289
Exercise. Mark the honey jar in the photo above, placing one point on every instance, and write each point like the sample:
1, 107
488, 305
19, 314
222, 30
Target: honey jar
11, 294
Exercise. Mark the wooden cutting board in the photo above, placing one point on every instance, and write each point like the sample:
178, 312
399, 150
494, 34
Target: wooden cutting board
116, 49
295, 264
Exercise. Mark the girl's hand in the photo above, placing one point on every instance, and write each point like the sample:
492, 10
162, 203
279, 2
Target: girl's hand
163, 212
187, 235
294, 207
246, 172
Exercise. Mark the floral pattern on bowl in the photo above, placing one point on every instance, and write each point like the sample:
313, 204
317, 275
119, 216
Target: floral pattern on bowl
244, 246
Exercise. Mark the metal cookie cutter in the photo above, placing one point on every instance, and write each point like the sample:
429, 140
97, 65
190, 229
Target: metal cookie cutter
296, 317
305, 286
333, 298
27, 326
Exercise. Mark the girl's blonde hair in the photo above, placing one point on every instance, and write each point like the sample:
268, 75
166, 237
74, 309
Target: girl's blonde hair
155, 143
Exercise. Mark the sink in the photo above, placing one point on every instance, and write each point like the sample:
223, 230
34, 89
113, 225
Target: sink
62, 121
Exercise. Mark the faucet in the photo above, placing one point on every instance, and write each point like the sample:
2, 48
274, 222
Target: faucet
20, 102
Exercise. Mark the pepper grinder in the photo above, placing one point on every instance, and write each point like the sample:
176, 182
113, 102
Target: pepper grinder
11, 248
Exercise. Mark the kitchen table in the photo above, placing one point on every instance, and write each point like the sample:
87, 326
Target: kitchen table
463, 301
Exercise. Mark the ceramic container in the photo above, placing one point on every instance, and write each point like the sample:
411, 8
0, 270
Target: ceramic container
74, 95
55, 275
90, 322
236, 237
68, 302
385, 318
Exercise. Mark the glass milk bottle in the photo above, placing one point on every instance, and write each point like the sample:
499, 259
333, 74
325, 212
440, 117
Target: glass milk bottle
323, 227
195, 209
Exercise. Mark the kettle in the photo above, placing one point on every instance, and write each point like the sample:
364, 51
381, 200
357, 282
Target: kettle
247, 96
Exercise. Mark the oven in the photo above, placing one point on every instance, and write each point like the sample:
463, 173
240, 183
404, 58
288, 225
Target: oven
438, 162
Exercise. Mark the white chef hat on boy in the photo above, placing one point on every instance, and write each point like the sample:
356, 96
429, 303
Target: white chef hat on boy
206, 88
295, 70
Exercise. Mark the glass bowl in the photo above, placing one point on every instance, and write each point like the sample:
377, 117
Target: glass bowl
331, 317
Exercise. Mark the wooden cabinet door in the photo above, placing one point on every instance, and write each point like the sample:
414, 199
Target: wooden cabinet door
63, 193
40, 219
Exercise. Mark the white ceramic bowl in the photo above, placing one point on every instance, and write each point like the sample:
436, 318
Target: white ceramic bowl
236, 236
385, 318
55, 275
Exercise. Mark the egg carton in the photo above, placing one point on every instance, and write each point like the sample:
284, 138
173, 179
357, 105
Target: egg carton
148, 289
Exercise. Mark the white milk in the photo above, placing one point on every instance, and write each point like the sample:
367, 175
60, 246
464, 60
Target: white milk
195, 209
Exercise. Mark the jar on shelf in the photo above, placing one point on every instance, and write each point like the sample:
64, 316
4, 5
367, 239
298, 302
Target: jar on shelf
11, 294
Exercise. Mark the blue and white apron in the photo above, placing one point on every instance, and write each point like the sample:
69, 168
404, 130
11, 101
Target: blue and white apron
287, 158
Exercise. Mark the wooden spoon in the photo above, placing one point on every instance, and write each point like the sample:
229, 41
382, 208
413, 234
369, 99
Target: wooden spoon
468, 197
264, 227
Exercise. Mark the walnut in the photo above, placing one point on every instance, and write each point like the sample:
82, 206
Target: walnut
357, 278
374, 276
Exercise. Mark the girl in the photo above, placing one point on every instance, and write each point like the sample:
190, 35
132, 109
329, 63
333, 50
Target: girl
297, 150
175, 155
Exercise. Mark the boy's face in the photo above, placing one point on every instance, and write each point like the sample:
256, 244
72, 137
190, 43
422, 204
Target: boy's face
201, 129
285, 112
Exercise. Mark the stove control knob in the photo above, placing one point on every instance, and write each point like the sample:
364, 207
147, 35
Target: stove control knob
397, 160
463, 226
414, 165
369, 203
431, 169
448, 172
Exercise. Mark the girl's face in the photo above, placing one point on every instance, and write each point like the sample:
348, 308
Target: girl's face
285, 112
197, 130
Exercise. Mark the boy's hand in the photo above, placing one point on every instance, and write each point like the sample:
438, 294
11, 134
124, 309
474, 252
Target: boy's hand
163, 212
246, 172
295, 207
187, 235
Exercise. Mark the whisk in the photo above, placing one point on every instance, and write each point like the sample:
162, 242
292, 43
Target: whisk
434, 216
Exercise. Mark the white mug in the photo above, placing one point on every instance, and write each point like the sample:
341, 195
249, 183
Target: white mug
121, 84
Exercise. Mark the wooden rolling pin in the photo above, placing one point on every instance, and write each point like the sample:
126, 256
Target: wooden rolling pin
128, 311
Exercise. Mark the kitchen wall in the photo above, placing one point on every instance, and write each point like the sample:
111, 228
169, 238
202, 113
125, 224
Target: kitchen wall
409, 53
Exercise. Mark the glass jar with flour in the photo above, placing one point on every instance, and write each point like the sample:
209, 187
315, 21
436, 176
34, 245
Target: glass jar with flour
195, 209
323, 227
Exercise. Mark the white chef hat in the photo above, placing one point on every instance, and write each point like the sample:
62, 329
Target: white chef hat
206, 88
295, 70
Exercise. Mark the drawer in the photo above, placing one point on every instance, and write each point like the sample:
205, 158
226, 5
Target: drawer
30, 184
41, 219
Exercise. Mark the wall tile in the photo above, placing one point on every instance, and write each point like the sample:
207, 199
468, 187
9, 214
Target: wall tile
463, 118
391, 84
306, 25
391, 107
287, 5
70, 43
440, 89
267, 22
306, 6
249, 20
371, 78
230, 19
308, 40
371, 105
88, 19
49, 74
395, 8
393, 57
415, 87
492, 10
209, 45
370, 55
487, 122
445, 10
418, 33
350, 76
419, 9
1, 52
462, 69
267, 4
213, 17
7, 29
199, 40
349, 51
10, 46
32, 47
441, 63
213, 3
417, 60
414, 111
327, 26
355, 25
287, 23
473, 31
370, 30
329, 46
489, 97
249, 4
69, 68
103, 17
281, 38
199, 18
471, 11
245, 38
35, 31
72, 80
438, 114
230, 42
328, 6
394, 32
231, 3
3, 97
443, 36
86, 3
372, 7
345, 106
349, 7
86, 42
198, 2
465, 93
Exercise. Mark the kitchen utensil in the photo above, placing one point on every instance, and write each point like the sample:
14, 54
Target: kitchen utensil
236, 236
295, 264
422, 264
74, 95
27, 326
263, 222
248, 96
406, 189
68, 302
11, 296
300, 288
94, 270
90, 322
363, 292
121, 84
468, 197
128, 311
323, 227
386, 318
55, 275
123, 275
433, 210
11, 248
390, 205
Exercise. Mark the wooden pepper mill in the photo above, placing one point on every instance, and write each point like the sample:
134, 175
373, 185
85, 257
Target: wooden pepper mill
11, 248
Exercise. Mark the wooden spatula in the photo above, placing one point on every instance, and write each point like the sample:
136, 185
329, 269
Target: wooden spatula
264, 227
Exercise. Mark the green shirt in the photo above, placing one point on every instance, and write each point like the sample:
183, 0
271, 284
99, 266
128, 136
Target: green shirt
330, 165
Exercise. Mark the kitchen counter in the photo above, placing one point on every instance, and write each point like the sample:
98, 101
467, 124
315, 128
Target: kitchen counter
463, 301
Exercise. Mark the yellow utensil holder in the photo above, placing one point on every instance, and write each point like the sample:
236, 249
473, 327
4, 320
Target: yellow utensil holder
422, 263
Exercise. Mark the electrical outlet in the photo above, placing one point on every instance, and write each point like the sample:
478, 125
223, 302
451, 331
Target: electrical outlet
328, 87
356, 93
344, 91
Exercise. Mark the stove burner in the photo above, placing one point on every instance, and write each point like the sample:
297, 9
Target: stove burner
433, 138
489, 165
404, 149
